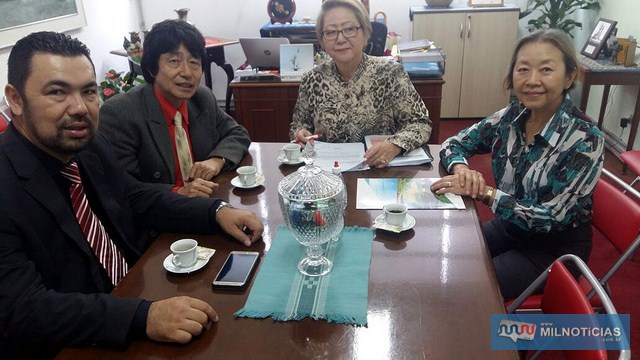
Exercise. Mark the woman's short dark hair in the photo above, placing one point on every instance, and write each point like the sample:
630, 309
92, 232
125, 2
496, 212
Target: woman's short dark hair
19, 64
555, 37
166, 37
354, 5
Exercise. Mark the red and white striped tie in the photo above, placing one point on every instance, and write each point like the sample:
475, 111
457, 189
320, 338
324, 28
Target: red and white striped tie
97, 237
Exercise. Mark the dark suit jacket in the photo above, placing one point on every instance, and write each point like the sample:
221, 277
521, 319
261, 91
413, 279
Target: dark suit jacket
137, 129
53, 291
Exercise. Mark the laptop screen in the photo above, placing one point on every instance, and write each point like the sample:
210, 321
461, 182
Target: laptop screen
263, 53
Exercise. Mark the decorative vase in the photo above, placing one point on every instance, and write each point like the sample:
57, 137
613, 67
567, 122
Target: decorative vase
183, 13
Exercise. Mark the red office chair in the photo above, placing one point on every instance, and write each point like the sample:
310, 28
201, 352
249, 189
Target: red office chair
5, 114
609, 203
563, 295
631, 158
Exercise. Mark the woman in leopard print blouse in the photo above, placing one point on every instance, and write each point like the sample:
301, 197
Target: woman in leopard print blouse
354, 95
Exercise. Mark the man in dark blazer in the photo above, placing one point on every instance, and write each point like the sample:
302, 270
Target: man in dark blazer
54, 289
140, 123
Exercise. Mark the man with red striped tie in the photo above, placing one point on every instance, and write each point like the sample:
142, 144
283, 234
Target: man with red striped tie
70, 216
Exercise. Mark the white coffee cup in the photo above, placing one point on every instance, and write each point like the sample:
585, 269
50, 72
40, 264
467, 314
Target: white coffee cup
292, 152
395, 214
185, 252
247, 175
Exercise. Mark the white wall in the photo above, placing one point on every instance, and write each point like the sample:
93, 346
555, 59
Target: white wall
109, 21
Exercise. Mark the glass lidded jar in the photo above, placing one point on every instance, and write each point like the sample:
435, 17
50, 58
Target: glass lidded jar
312, 202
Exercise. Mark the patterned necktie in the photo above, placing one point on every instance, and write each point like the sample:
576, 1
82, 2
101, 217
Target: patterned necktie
182, 147
93, 230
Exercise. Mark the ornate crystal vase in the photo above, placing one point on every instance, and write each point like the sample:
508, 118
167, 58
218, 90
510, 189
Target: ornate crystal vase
312, 202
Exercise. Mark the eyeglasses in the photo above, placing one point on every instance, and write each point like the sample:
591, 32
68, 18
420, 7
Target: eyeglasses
346, 32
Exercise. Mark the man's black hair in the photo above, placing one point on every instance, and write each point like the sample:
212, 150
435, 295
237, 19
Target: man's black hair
41, 42
166, 37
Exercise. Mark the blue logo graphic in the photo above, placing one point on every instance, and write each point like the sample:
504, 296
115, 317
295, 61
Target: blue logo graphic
515, 330
560, 332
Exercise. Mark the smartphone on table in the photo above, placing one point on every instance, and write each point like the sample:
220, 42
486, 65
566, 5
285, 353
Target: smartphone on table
236, 271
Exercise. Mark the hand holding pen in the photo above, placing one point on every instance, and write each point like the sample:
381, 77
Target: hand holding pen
304, 136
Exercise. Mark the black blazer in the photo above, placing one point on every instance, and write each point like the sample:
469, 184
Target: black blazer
53, 290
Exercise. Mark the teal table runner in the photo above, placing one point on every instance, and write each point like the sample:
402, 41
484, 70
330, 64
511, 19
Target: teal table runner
280, 291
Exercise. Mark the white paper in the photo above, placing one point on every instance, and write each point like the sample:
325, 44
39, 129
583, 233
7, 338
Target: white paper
349, 155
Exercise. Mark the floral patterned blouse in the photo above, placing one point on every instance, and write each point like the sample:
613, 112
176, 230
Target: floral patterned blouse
378, 100
545, 186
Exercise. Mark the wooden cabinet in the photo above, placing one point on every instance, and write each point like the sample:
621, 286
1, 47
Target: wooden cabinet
477, 43
266, 108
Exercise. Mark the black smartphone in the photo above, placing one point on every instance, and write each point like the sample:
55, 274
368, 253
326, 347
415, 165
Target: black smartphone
236, 270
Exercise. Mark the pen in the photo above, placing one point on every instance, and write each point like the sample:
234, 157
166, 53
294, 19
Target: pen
314, 136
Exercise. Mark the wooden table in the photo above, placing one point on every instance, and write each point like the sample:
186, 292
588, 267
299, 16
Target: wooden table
603, 72
214, 47
432, 289
266, 108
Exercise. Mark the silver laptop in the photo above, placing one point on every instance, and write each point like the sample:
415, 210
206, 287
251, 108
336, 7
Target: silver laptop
263, 53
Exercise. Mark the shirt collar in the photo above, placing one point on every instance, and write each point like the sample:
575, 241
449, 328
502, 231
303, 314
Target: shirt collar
169, 110
553, 128
359, 69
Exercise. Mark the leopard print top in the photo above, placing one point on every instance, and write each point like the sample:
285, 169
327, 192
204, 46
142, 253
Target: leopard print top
378, 100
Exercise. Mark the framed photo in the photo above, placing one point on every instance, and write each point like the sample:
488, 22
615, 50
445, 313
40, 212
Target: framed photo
487, 3
49, 15
598, 38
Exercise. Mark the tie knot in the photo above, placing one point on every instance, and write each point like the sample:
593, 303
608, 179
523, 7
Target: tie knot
177, 119
71, 172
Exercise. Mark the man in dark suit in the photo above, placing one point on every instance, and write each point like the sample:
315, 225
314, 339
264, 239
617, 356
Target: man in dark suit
140, 123
54, 284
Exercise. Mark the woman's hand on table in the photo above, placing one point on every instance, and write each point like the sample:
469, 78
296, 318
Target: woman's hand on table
381, 153
242, 225
463, 181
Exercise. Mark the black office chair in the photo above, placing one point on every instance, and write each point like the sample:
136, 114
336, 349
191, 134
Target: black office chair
378, 39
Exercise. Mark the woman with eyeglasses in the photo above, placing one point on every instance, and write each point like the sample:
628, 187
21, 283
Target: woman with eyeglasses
354, 94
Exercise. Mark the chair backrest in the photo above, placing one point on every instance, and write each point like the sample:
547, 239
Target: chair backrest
378, 39
563, 295
615, 214
5, 114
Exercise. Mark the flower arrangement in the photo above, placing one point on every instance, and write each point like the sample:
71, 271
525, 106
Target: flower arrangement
114, 83
133, 46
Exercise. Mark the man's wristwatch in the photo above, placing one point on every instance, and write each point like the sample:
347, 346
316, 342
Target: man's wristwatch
222, 205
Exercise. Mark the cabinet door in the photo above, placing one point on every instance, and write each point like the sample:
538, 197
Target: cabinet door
489, 41
447, 31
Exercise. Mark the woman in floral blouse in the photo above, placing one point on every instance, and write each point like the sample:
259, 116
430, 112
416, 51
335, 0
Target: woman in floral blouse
354, 95
546, 157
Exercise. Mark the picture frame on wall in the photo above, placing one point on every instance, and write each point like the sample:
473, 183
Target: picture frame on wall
598, 38
44, 15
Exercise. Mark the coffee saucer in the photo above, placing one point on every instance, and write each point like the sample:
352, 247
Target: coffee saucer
237, 183
380, 223
204, 254
283, 160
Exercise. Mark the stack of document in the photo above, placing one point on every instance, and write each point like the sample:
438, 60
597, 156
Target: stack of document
414, 157
421, 58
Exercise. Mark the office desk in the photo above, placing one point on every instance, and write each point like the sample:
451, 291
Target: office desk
603, 72
432, 289
266, 108
214, 47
